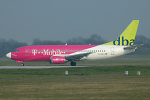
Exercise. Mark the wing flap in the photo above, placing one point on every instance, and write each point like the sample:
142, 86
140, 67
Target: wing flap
77, 56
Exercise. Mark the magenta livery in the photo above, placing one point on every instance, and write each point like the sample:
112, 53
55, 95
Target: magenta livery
60, 54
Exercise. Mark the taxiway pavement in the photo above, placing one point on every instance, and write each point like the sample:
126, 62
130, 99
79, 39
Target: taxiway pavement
36, 67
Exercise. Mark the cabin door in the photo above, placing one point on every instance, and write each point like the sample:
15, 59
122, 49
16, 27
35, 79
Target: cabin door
112, 51
27, 51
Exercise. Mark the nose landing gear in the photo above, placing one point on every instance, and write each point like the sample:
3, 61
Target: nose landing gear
22, 64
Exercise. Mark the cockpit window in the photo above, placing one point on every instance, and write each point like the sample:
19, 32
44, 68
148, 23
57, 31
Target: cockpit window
15, 50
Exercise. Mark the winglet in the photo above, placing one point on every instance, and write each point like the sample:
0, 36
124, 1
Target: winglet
128, 36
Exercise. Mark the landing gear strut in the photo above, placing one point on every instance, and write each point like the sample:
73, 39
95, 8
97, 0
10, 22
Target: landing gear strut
73, 63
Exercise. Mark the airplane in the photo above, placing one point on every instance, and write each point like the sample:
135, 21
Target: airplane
60, 54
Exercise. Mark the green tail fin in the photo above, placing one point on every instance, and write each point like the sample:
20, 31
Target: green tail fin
128, 36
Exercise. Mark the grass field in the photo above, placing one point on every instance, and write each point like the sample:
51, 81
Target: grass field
52, 84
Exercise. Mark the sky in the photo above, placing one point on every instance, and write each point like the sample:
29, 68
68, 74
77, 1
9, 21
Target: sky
25, 20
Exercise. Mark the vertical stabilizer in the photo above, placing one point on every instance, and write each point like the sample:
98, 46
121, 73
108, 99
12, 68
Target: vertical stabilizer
128, 36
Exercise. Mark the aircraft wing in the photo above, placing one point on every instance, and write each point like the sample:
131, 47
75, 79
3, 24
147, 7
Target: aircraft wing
77, 56
132, 47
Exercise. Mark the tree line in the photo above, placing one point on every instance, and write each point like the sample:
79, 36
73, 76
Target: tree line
8, 45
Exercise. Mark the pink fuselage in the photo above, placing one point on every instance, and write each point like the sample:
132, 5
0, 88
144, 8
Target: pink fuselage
44, 52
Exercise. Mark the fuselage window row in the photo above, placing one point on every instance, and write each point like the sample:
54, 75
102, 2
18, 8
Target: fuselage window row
71, 51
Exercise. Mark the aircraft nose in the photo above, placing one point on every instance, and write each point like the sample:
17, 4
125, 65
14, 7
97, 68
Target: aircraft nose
8, 55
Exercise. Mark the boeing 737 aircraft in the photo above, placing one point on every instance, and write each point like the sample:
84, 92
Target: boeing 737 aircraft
60, 54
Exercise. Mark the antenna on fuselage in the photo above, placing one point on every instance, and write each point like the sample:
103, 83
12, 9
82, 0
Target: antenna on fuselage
66, 44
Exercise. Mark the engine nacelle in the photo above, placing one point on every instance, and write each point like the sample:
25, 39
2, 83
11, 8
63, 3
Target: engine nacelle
57, 60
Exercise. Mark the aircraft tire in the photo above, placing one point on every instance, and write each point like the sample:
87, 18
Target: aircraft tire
73, 63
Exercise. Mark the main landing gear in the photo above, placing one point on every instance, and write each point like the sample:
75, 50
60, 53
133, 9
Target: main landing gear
22, 64
73, 63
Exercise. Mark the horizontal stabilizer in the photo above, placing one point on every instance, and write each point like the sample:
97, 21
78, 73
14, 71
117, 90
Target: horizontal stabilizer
132, 47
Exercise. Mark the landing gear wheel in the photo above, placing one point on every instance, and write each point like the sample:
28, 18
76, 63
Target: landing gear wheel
73, 63
22, 64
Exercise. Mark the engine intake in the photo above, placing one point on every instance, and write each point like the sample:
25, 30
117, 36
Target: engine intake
57, 60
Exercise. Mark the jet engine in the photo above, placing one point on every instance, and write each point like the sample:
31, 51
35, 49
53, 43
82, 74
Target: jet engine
57, 60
